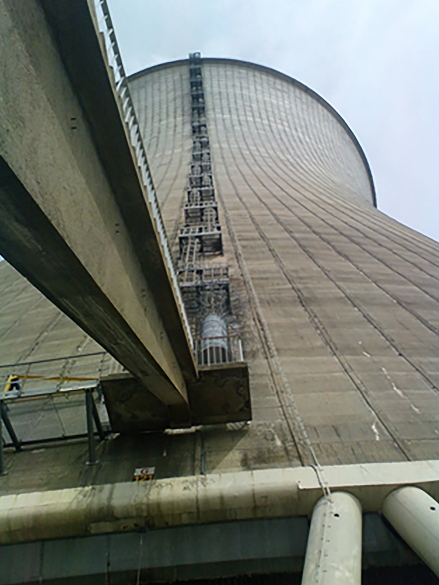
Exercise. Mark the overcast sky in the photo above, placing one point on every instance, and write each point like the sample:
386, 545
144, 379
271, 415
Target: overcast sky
375, 61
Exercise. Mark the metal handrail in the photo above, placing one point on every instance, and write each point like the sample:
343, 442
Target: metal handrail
120, 83
52, 359
52, 376
221, 349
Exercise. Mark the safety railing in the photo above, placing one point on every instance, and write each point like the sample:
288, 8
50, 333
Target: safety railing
199, 230
201, 193
211, 351
52, 376
208, 276
47, 381
201, 205
93, 423
209, 236
114, 61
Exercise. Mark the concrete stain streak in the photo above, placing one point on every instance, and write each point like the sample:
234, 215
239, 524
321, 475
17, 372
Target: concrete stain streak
400, 392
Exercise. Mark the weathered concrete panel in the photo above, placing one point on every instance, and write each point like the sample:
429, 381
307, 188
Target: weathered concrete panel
338, 303
257, 547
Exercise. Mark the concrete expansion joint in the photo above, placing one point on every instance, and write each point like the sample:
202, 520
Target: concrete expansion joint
274, 493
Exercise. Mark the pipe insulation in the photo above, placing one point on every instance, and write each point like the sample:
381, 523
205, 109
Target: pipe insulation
333, 553
414, 514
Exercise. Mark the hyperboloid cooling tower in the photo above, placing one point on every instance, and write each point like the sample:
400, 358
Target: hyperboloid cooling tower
263, 361
337, 303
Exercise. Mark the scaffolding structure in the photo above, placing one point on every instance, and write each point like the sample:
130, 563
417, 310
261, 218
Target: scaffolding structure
205, 286
64, 385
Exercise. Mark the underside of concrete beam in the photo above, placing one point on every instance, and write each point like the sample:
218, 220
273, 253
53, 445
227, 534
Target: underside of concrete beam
249, 547
33, 245
220, 395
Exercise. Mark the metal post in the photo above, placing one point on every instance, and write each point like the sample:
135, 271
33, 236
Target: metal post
333, 554
90, 434
9, 427
96, 418
415, 516
2, 460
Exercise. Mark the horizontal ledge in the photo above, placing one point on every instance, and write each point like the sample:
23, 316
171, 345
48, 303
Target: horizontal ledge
271, 493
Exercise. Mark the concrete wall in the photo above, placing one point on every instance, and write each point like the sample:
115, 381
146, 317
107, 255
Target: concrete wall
166, 130
338, 303
193, 552
31, 327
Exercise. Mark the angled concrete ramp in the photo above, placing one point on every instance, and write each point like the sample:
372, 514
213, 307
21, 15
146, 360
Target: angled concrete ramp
76, 218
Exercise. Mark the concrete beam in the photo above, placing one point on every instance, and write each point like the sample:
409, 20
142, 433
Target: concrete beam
75, 218
220, 395
181, 501
187, 553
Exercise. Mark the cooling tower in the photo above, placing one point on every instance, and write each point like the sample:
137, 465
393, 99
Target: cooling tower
337, 303
272, 350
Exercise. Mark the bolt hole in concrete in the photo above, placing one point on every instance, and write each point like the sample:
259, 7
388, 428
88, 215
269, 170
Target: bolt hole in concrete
337, 515
432, 508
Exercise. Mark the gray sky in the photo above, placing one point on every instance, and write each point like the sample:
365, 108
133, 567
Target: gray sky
375, 61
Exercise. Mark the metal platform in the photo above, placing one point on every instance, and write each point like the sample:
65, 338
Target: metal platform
200, 167
201, 155
209, 236
195, 281
200, 180
200, 212
197, 194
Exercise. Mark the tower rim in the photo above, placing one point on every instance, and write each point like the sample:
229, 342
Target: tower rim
298, 84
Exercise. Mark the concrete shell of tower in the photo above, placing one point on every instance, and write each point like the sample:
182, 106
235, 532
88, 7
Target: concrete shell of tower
338, 303
338, 310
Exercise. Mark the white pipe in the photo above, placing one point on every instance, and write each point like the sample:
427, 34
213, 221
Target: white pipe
415, 516
333, 554
179, 501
